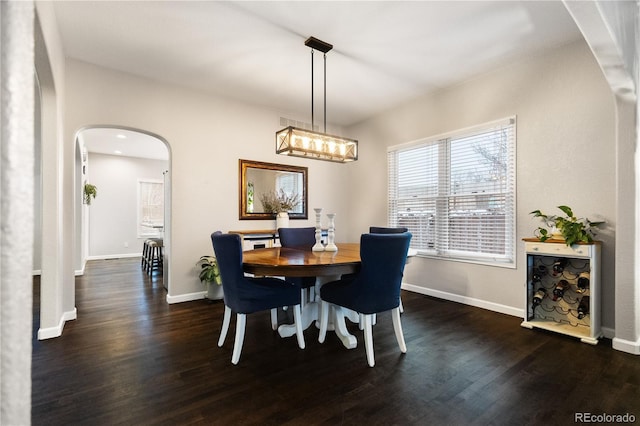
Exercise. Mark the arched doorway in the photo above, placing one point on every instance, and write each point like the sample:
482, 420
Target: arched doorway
119, 161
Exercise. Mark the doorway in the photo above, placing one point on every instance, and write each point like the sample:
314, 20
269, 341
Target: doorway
117, 161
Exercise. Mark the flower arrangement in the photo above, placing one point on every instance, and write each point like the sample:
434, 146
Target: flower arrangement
279, 201
572, 229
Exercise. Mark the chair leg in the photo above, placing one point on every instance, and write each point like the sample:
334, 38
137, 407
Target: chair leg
274, 319
144, 256
241, 322
297, 317
368, 339
225, 325
397, 327
324, 320
374, 320
401, 307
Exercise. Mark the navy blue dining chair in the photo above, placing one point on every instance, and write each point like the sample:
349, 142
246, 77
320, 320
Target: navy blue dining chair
246, 295
386, 230
303, 238
374, 289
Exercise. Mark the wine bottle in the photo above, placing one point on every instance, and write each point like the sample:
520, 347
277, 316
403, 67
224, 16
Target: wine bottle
536, 277
583, 307
558, 266
559, 289
538, 296
583, 282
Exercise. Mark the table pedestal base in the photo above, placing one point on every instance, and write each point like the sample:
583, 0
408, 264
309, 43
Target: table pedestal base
348, 340
311, 313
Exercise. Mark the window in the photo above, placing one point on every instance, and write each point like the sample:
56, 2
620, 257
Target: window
456, 193
150, 207
290, 183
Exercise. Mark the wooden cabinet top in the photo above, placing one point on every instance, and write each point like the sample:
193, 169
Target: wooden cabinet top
553, 241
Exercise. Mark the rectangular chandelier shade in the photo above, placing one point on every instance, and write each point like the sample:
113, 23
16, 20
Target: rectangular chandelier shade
298, 142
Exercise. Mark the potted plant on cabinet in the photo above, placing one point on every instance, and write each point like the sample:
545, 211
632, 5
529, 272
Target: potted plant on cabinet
280, 203
210, 276
568, 228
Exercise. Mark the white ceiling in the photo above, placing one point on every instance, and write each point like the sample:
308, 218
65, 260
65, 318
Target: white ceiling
385, 52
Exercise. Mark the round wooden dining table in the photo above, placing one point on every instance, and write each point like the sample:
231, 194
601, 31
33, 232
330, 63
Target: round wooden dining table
297, 262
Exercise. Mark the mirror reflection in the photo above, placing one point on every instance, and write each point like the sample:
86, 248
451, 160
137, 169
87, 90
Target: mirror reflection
266, 188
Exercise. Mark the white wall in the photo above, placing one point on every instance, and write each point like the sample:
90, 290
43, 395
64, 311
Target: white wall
16, 209
113, 221
565, 155
207, 136
57, 284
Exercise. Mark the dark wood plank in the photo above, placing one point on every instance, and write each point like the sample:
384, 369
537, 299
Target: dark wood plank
130, 358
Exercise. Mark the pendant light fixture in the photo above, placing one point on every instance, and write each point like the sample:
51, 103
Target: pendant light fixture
299, 142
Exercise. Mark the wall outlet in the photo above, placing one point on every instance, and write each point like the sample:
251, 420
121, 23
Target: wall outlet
126, 244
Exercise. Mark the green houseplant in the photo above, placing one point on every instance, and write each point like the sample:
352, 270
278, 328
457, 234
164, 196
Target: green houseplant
573, 230
89, 192
209, 274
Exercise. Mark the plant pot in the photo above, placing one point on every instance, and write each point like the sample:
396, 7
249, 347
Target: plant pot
214, 291
556, 234
282, 220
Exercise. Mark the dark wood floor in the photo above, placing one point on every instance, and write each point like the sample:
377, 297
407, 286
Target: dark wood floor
130, 359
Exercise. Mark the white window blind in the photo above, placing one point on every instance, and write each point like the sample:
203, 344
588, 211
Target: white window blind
150, 207
456, 193
290, 183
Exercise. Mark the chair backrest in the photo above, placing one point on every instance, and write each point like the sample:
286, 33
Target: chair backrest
228, 250
383, 258
297, 237
384, 230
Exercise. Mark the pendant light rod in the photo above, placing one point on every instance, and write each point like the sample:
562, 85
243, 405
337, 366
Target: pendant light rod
313, 127
325, 93
324, 47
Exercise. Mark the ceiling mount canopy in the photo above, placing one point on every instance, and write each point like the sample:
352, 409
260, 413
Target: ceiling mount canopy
299, 142
318, 44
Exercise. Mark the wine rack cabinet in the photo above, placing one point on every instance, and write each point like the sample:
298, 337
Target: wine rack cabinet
549, 263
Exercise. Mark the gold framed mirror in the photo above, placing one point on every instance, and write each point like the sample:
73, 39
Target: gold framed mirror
258, 181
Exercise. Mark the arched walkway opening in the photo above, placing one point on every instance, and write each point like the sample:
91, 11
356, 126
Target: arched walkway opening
129, 169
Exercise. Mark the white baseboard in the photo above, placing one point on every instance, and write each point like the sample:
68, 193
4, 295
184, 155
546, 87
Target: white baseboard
80, 272
607, 332
113, 256
52, 332
496, 307
186, 297
626, 346
71, 315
